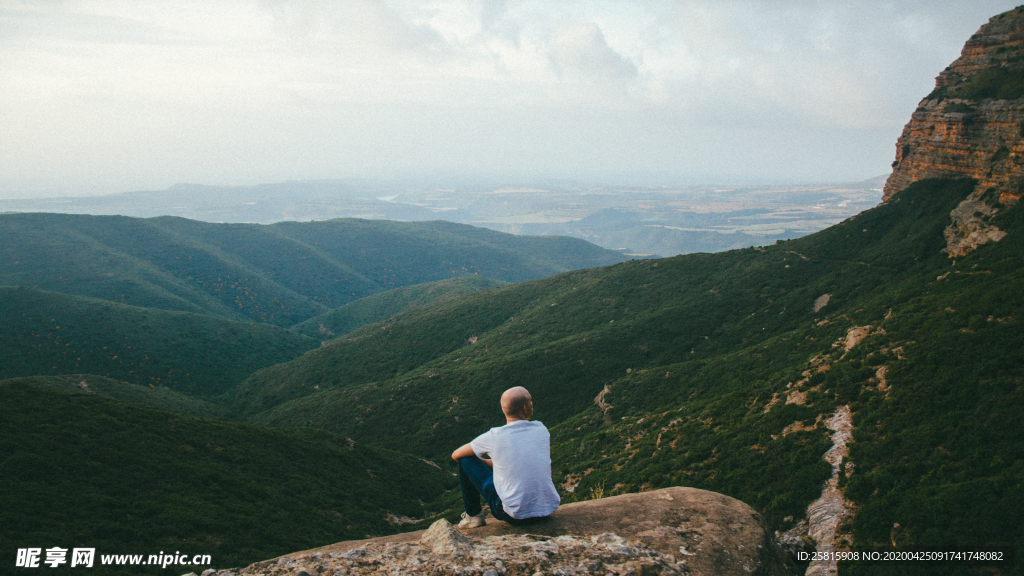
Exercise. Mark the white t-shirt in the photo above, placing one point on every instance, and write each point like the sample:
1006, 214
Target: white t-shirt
521, 452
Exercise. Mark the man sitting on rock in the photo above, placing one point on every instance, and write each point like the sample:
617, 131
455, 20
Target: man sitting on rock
519, 488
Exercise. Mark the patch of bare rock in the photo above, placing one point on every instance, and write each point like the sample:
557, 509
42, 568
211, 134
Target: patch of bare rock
829, 511
821, 301
669, 531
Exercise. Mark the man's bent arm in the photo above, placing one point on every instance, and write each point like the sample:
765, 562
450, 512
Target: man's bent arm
462, 452
465, 451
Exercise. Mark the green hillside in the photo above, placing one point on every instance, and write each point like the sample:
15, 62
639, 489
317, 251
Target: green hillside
160, 398
94, 472
628, 316
693, 349
370, 309
279, 274
46, 333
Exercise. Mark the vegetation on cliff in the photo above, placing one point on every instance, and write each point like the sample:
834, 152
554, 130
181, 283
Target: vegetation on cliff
991, 64
126, 479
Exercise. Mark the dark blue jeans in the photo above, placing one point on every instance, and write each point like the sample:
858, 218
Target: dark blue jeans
477, 479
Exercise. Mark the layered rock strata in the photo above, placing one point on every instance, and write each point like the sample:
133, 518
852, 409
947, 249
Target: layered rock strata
669, 531
972, 126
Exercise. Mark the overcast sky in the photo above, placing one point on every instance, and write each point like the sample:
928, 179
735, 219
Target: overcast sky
108, 96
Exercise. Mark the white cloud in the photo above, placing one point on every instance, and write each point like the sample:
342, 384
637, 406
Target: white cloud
581, 51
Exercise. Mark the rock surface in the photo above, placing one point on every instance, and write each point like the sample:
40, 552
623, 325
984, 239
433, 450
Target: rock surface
669, 531
826, 513
972, 126
443, 539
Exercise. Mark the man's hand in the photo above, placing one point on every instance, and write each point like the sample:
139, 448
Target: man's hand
462, 452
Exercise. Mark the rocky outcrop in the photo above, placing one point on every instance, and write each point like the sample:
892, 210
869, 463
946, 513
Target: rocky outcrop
943, 140
970, 227
669, 531
507, 555
444, 540
972, 126
821, 532
827, 512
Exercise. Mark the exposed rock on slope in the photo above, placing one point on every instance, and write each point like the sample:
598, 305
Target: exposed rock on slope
972, 126
669, 531
826, 513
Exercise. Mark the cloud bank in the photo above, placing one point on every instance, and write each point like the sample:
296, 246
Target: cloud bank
106, 95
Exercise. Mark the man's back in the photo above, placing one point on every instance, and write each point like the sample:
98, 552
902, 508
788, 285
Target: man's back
521, 452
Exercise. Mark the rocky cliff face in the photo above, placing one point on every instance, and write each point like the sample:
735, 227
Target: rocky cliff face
671, 531
972, 126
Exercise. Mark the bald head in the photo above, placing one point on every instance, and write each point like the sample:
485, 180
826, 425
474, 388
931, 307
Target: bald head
517, 404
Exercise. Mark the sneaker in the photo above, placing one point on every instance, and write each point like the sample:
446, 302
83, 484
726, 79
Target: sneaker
472, 521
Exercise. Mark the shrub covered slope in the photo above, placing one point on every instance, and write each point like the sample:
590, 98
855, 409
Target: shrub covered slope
377, 307
46, 333
717, 371
158, 397
94, 472
277, 274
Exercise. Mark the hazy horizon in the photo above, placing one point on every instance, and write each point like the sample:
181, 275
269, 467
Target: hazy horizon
106, 96
496, 181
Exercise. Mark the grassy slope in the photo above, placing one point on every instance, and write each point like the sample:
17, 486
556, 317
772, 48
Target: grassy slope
377, 307
46, 333
693, 348
278, 274
160, 398
125, 479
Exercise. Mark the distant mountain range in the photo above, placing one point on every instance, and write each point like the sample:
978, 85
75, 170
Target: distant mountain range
279, 274
661, 220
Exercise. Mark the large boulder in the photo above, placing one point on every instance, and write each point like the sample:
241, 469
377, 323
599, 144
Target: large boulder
674, 530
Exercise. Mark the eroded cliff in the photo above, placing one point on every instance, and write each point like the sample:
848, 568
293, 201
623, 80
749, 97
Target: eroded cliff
972, 126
